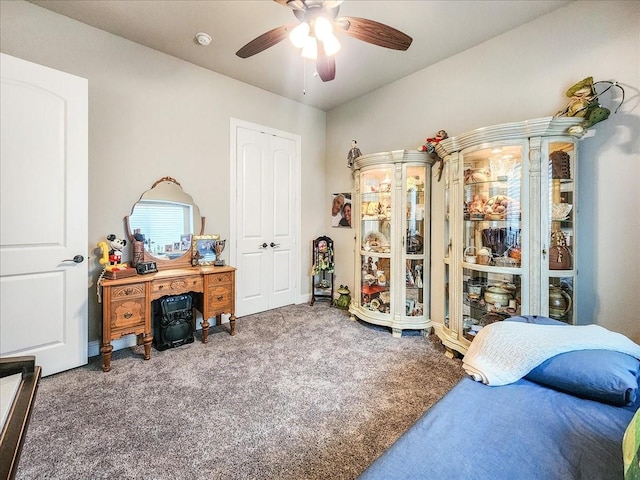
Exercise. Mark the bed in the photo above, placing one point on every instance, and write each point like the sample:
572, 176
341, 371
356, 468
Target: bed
564, 420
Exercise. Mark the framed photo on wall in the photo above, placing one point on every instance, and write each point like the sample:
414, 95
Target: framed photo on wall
341, 210
203, 250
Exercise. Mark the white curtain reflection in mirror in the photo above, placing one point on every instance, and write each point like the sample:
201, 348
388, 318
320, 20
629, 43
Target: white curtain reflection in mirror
162, 224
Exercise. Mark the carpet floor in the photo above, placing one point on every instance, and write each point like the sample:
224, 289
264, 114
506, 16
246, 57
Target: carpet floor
299, 392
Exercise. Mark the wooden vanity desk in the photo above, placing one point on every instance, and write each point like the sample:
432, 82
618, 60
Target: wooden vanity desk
126, 302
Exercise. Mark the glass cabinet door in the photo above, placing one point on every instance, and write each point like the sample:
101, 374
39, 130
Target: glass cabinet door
491, 236
375, 258
560, 222
416, 234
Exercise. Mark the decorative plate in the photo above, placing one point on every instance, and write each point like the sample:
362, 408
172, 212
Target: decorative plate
560, 211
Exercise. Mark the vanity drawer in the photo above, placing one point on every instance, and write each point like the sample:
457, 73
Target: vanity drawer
221, 279
219, 299
174, 286
126, 315
134, 290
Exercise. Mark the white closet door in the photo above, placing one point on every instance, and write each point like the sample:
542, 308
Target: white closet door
266, 219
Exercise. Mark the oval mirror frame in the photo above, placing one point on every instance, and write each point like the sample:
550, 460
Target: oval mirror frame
167, 190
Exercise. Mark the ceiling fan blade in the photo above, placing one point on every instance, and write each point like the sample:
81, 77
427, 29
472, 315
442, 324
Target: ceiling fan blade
374, 32
325, 65
266, 40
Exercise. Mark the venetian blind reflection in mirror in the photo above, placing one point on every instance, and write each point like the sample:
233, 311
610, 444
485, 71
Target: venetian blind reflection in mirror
165, 226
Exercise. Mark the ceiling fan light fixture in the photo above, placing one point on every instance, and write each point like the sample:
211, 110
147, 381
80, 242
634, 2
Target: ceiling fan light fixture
299, 35
310, 49
322, 28
331, 45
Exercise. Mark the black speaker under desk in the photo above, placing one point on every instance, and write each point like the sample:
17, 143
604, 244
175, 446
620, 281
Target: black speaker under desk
173, 321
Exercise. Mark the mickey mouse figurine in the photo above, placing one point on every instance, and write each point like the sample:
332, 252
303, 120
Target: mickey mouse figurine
115, 252
112, 252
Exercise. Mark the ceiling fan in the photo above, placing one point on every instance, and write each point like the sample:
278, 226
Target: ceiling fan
317, 20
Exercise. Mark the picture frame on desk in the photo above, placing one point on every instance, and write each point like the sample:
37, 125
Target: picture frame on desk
203, 249
185, 242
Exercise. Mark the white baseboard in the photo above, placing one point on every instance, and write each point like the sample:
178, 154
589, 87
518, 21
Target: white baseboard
130, 340
304, 298
119, 344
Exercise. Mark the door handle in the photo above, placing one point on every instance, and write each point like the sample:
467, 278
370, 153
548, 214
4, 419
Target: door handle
273, 245
264, 245
76, 259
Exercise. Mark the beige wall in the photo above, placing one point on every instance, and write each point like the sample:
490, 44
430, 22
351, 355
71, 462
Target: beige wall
519, 75
152, 115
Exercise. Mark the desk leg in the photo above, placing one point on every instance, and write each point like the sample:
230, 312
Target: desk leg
232, 321
106, 350
148, 338
205, 329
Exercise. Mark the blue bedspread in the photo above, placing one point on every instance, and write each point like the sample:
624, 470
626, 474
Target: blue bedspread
517, 431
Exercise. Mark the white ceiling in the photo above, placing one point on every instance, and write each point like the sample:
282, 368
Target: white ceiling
439, 30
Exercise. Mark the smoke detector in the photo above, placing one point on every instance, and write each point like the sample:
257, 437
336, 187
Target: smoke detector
203, 39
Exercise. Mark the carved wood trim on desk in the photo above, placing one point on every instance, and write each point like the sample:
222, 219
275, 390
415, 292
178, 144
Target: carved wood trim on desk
126, 302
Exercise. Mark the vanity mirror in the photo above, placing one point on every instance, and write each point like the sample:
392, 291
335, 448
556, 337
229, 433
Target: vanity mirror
165, 219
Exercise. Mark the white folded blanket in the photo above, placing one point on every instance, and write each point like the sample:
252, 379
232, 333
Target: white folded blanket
504, 352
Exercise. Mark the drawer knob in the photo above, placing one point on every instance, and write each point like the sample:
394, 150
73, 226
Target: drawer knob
220, 297
128, 315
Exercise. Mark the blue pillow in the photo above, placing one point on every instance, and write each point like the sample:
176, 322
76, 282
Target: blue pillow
602, 375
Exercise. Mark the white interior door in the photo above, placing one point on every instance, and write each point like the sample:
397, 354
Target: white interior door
43, 217
265, 215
